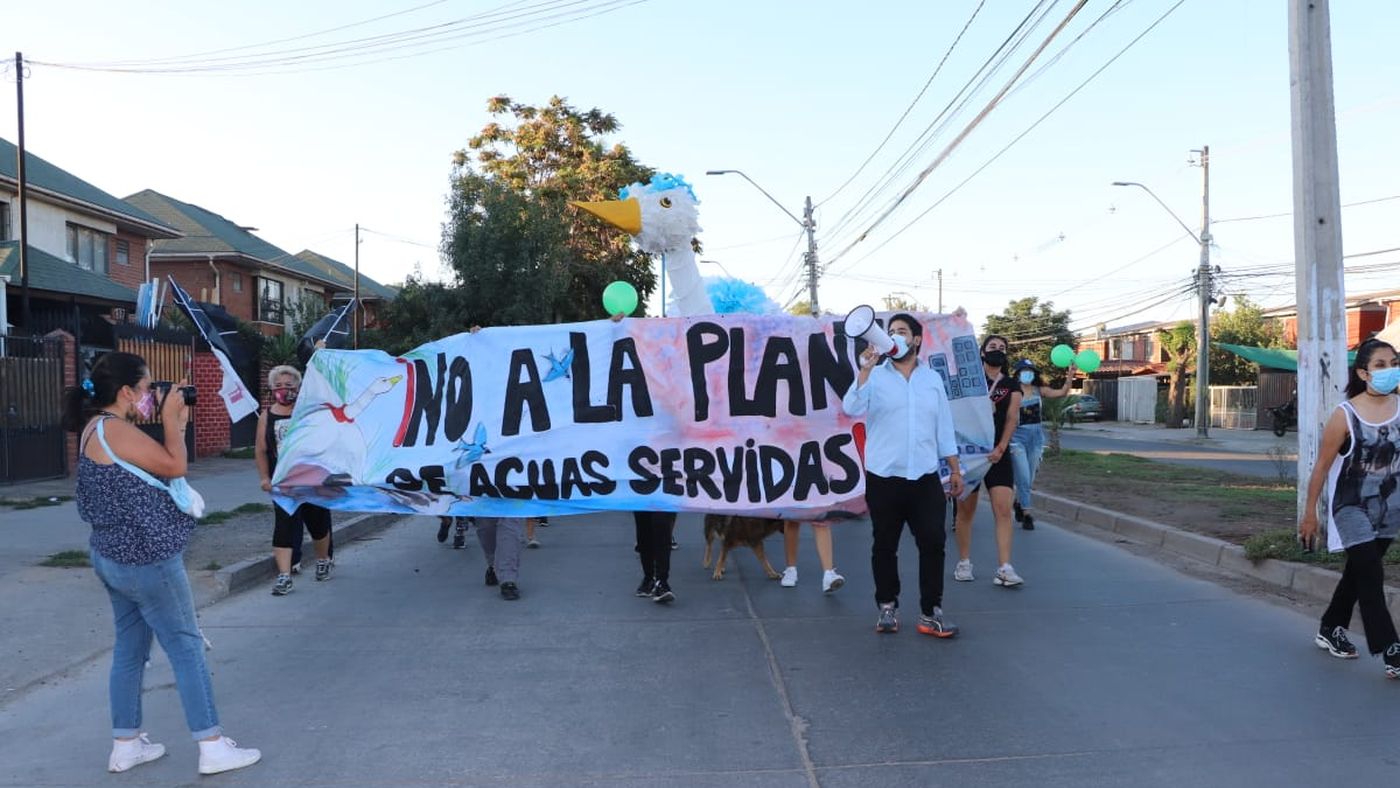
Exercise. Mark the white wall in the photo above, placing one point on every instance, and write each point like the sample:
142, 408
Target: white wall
48, 224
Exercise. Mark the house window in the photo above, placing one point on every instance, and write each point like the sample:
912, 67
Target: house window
270, 302
236, 279
123, 252
4, 221
88, 248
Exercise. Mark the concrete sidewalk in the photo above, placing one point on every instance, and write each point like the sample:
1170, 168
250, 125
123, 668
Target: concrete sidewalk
1242, 441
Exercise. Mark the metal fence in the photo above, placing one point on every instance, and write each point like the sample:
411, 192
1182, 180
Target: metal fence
1234, 407
32, 442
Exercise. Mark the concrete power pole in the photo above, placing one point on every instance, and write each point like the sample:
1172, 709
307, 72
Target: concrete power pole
1317, 230
811, 224
940, 291
1207, 297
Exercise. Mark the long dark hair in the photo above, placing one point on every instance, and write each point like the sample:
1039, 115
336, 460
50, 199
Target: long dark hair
111, 372
1367, 349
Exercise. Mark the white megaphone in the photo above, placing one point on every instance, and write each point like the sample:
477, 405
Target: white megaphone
860, 322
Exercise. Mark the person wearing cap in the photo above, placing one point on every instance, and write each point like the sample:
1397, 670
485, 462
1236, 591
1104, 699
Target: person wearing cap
1028, 441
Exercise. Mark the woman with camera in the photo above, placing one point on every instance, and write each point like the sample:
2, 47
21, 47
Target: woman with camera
285, 384
138, 540
1357, 462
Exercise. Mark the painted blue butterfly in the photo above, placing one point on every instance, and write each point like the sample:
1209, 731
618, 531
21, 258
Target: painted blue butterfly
559, 367
471, 452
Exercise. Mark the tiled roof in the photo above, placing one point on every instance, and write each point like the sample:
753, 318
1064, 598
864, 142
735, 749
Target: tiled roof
207, 232
55, 275
40, 174
346, 275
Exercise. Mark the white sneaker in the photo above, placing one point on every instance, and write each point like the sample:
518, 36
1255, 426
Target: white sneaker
789, 577
127, 754
963, 572
1006, 577
831, 581
224, 755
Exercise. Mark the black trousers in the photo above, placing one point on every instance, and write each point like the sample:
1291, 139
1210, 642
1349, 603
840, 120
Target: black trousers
654, 542
922, 505
1363, 583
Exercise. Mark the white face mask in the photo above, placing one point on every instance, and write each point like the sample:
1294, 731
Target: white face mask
901, 346
1027, 377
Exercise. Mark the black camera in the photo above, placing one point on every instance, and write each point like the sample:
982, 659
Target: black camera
164, 386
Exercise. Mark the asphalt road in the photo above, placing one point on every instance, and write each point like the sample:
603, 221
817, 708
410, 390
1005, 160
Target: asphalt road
1105, 669
1247, 463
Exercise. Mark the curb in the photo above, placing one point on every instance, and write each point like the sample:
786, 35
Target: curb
1314, 582
250, 572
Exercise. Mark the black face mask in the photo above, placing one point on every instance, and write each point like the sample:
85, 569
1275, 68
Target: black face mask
996, 358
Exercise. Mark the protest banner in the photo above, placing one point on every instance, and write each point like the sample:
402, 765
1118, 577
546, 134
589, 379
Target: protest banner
728, 414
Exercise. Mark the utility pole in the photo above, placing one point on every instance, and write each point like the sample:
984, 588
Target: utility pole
809, 222
940, 291
23, 198
1317, 230
355, 310
1207, 297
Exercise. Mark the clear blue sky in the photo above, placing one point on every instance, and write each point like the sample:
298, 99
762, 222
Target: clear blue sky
796, 95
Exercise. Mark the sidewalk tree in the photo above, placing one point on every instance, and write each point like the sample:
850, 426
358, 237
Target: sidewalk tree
1243, 325
421, 312
1180, 344
1032, 328
519, 252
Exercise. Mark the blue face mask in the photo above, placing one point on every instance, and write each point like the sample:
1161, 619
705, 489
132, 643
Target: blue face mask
1385, 380
1027, 377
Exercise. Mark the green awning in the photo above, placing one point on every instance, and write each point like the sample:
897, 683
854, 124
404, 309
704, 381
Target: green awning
1270, 357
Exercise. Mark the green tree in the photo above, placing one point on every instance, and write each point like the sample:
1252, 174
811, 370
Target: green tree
1180, 344
1031, 329
520, 253
421, 312
895, 302
1243, 325
802, 308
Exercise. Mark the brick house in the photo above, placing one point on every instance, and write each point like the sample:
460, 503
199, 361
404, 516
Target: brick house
221, 262
1367, 315
372, 294
87, 248
1127, 350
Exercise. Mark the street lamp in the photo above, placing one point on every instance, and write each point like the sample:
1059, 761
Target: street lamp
721, 267
806, 222
1203, 288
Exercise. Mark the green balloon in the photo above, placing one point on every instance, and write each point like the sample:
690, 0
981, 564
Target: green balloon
620, 297
1087, 361
1062, 355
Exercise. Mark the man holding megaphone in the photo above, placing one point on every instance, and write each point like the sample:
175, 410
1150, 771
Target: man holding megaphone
909, 432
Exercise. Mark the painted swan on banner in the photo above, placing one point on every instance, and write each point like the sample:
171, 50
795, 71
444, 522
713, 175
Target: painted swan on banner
330, 437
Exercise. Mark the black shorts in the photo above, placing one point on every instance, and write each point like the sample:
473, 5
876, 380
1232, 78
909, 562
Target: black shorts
1001, 474
286, 529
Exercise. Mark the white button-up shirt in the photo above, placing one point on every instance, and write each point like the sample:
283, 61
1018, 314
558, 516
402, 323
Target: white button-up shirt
908, 423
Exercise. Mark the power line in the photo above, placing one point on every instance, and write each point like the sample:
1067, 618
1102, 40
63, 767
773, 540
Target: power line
938, 69
1018, 137
1290, 213
967, 130
366, 51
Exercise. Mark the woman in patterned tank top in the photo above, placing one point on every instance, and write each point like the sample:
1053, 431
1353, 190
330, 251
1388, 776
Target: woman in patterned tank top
1359, 461
137, 548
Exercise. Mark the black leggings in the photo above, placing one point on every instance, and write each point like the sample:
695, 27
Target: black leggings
654, 542
286, 529
1363, 583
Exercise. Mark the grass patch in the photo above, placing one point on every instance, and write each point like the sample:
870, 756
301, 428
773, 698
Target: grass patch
213, 566
67, 559
214, 518
245, 453
35, 503
1282, 544
1237, 494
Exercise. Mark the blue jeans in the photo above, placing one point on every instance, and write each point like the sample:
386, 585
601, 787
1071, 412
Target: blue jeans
1030, 438
155, 600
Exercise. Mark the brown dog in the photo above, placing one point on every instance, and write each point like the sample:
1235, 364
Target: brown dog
733, 531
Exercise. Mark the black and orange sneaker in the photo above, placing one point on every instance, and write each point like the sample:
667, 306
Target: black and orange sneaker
936, 626
888, 624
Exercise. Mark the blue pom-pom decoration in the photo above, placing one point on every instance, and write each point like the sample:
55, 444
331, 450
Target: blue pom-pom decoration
734, 296
660, 182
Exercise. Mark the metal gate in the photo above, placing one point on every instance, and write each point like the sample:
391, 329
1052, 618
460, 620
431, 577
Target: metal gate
245, 361
1233, 407
1137, 399
32, 442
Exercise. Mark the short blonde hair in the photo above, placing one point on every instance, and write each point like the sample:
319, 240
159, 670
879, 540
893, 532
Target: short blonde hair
278, 371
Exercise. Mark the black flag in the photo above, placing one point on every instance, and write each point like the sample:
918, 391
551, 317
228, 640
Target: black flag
333, 329
203, 323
